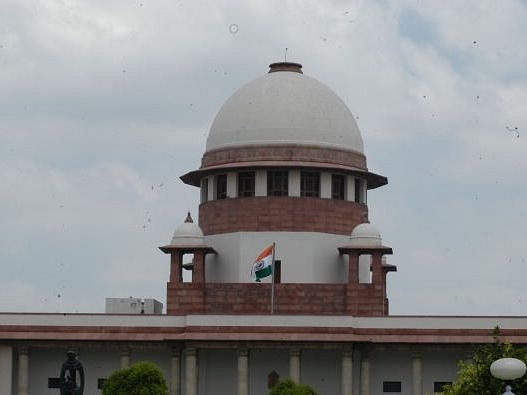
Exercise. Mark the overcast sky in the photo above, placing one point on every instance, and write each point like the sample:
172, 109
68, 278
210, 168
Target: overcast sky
104, 104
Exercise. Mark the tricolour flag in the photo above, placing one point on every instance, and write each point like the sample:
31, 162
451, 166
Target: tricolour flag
263, 264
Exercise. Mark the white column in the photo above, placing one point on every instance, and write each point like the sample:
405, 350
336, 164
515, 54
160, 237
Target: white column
6, 369
417, 374
232, 184
191, 372
125, 358
175, 368
294, 365
347, 372
325, 185
243, 371
23, 370
210, 188
365, 375
294, 183
260, 183
350, 188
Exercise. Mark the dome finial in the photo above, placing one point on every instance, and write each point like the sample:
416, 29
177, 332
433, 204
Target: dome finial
189, 218
285, 66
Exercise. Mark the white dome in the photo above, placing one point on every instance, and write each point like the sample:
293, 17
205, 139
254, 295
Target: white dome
365, 235
285, 107
187, 234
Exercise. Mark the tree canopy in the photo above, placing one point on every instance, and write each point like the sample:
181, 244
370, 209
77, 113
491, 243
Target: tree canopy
289, 387
474, 377
142, 378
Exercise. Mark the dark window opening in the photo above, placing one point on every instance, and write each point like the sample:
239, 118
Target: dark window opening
337, 186
310, 184
221, 186
358, 190
100, 383
277, 273
204, 190
391, 386
439, 386
246, 184
277, 183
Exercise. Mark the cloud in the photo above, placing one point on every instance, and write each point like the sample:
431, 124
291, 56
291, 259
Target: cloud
106, 104
25, 297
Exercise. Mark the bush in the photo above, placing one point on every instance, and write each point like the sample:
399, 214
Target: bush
474, 377
289, 387
142, 378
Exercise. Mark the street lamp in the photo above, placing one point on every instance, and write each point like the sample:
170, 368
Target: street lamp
508, 369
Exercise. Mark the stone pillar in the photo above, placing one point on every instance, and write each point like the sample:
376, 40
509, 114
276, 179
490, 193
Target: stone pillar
23, 370
347, 373
198, 268
243, 371
191, 372
365, 375
294, 365
417, 374
353, 269
6, 373
125, 358
376, 263
175, 368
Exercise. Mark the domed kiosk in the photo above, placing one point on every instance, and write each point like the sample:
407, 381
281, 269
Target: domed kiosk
284, 164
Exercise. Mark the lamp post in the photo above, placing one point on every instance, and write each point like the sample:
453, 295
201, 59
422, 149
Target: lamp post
508, 369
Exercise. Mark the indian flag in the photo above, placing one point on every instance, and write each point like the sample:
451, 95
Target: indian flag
263, 264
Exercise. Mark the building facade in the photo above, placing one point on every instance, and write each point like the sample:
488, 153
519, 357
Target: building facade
284, 165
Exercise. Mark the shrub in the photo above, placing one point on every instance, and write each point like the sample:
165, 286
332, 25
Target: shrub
142, 378
289, 387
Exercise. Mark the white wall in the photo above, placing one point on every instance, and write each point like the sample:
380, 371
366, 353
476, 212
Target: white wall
365, 274
437, 365
307, 257
6, 369
391, 365
218, 372
261, 363
321, 369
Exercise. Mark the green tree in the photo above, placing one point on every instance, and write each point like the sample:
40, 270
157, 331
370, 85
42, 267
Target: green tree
289, 387
474, 377
142, 378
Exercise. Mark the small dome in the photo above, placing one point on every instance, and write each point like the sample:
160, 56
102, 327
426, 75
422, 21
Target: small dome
285, 107
366, 235
187, 234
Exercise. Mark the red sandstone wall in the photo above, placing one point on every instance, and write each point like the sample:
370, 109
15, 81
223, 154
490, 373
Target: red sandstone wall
281, 213
291, 299
284, 152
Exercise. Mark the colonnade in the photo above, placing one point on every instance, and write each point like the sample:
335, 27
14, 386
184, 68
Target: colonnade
188, 359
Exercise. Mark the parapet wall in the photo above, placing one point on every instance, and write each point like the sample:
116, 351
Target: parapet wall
291, 299
281, 213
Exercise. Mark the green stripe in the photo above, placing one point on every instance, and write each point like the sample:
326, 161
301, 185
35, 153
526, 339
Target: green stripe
265, 272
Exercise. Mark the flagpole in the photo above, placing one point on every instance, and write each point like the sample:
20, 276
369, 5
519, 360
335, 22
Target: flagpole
272, 280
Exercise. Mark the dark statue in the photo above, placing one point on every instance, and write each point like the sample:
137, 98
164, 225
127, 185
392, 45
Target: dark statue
72, 375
